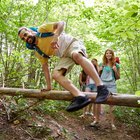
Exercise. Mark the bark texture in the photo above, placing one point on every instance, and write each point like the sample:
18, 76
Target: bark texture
116, 99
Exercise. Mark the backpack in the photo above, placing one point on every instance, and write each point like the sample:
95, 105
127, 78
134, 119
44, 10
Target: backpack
117, 60
34, 46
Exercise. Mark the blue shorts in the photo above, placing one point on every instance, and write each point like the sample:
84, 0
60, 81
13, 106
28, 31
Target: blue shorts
91, 87
83, 87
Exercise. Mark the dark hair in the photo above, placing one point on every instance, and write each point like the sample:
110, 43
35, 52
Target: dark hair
94, 59
84, 76
20, 29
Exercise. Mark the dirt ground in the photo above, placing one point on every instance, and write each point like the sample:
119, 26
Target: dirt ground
63, 126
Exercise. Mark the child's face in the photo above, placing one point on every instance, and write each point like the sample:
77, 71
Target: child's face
108, 55
94, 62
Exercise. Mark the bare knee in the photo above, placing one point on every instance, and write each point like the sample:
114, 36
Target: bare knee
77, 57
58, 73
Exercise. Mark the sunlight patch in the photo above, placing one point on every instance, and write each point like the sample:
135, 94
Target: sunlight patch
89, 3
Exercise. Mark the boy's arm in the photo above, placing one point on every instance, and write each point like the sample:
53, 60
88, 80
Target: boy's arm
58, 28
46, 71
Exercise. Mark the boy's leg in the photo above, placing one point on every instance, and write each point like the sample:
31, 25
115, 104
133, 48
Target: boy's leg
102, 91
80, 100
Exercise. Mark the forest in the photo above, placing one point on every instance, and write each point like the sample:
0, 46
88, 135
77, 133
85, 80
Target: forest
100, 24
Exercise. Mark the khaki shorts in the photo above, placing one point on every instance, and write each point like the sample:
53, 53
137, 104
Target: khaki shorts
66, 60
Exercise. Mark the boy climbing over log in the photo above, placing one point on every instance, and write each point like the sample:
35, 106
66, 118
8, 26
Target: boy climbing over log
50, 40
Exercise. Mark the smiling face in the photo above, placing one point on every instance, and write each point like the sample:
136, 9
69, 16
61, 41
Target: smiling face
27, 36
108, 55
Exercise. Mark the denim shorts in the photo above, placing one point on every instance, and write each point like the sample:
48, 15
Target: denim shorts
91, 87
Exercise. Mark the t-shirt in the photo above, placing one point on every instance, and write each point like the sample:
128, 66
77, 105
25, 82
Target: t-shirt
44, 43
89, 80
108, 78
108, 73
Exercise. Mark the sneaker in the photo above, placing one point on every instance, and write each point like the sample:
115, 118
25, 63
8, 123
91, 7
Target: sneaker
102, 94
82, 116
78, 103
86, 113
90, 113
93, 124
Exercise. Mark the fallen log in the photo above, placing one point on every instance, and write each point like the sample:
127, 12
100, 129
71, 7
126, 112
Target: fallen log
116, 99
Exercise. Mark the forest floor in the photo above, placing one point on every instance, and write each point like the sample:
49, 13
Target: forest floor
63, 126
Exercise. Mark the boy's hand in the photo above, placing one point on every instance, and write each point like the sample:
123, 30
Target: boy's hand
46, 89
54, 43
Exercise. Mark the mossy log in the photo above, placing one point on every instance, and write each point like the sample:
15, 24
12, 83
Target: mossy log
116, 99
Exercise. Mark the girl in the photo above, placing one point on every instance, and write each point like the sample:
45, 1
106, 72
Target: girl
92, 109
109, 72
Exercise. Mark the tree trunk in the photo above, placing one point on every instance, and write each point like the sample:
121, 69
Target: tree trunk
116, 99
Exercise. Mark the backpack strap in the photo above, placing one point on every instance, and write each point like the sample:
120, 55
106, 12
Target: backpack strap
42, 35
114, 71
41, 53
34, 46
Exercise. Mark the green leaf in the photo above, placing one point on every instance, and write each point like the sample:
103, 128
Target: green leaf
130, 35
134, 14
135, 7
124, 36
137, 93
